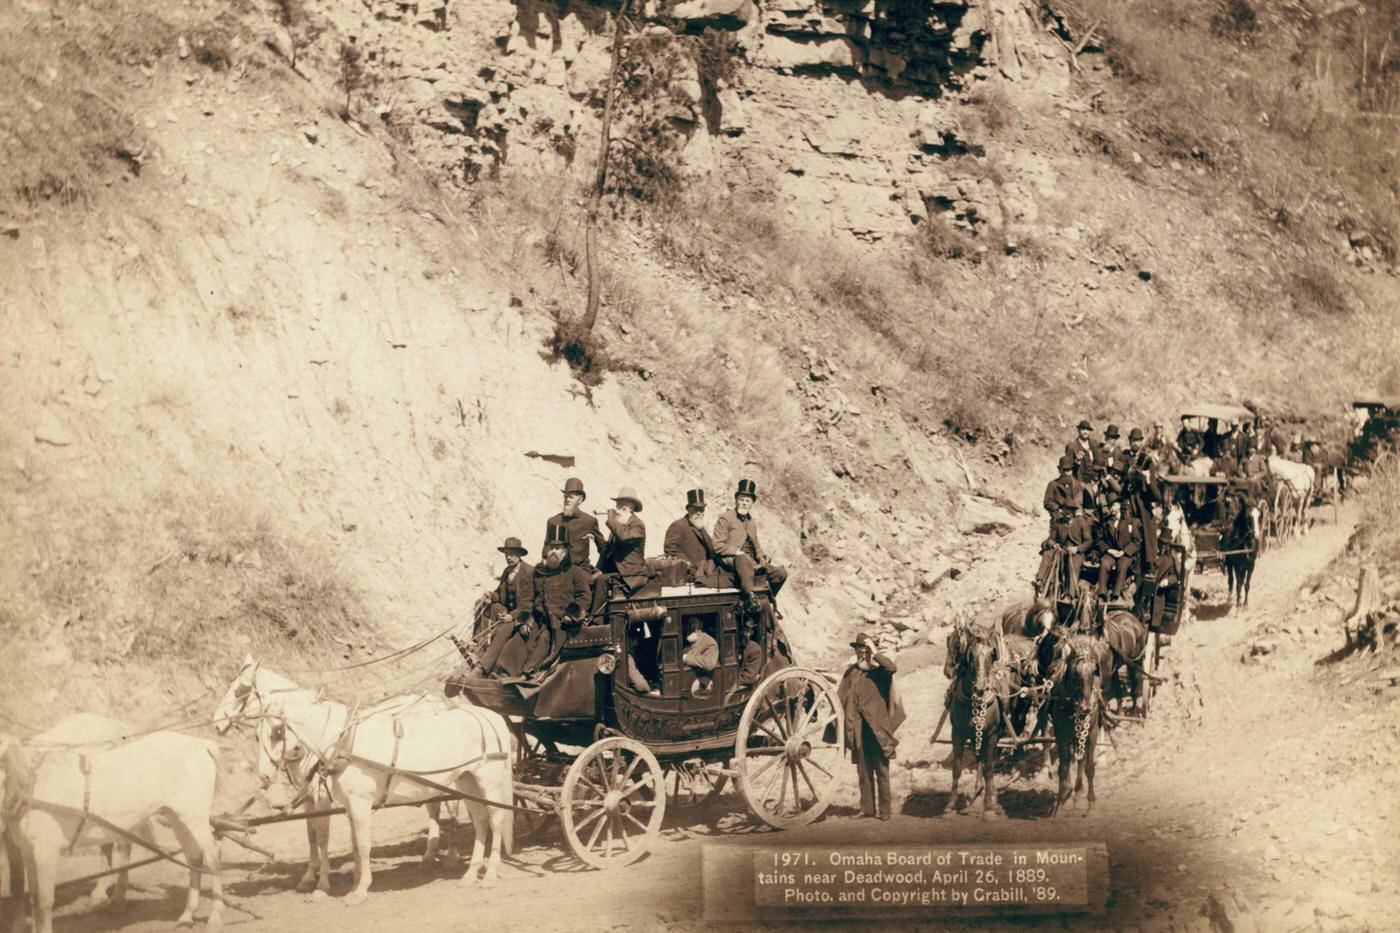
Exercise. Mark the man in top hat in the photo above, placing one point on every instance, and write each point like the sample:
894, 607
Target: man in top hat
1082, 449
516, 589
687, 538
736, 539
873, 713
561, 592
579, 526
623, 561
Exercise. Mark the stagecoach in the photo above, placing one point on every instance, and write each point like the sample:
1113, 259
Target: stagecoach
1205, 503
601, 755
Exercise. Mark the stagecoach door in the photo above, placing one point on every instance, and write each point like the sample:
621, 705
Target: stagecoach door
679, 680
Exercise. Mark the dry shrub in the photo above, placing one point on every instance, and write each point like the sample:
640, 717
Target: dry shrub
1315, 288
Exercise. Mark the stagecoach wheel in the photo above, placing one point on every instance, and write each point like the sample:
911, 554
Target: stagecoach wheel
612, 803
789, 748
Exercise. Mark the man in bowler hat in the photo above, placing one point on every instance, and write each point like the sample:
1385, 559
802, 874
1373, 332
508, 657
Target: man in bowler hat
873, 713
579, 526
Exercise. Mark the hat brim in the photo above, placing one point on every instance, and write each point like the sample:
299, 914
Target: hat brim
514, 550
862, 644
636, 503
695, 507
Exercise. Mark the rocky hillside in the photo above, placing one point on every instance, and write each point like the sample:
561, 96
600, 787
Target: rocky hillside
283, 280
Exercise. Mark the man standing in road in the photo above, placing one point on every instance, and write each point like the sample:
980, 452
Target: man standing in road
873, 714
736, 540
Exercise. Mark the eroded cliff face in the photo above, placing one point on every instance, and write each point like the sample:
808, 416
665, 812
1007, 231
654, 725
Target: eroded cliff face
847, 113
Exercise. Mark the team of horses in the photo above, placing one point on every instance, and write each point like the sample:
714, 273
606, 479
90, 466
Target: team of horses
1007, 678
93, 781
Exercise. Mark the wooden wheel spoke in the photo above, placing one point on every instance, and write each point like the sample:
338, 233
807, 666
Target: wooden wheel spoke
763, 727
768, 788
814, 728
640, 825
621, 833
782, 793
777, 719
630, 768
597, 831
761, 769
583, 779
630, 789
603, 768
584, 802
802, 769
581, 824
818, 765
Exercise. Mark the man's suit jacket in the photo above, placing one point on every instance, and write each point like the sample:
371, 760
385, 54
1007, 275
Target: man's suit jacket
518, 594
684, 539
625, 552
734, 535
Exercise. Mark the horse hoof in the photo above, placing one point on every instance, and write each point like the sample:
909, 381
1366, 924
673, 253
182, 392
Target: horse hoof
186, 920
487, 882
306, 885
355, 898
215, 922
993, 815
320, 894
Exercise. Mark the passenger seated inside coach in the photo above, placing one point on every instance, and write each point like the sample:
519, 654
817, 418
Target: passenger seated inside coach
701, 655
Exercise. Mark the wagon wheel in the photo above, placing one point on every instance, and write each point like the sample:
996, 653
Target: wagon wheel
789, 748
612, 803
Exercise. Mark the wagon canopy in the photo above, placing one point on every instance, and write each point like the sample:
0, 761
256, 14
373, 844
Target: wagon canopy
1226, 414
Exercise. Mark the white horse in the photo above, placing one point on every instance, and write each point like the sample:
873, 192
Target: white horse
162, 775
1181, 531
93, 730
368, 753
1298, 477
280, 753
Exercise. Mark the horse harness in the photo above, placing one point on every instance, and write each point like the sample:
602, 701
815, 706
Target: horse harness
22, 799
341, 755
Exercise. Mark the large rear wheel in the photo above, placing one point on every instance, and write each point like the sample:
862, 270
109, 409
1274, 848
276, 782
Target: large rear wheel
613, 800
791, 740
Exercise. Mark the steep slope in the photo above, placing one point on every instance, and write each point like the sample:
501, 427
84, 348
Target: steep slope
275, 345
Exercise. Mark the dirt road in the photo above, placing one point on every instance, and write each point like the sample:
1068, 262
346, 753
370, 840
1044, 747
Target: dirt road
1262, 776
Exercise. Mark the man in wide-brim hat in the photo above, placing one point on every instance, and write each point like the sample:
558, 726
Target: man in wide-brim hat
561, 592
515, 590
623, 561
873, 713
579, 526
687, 539
736, 539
